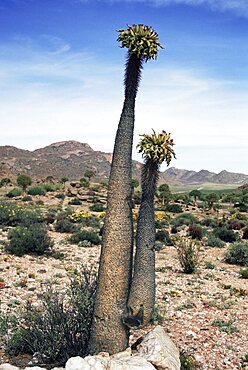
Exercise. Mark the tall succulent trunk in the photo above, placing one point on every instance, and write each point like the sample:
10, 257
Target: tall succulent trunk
114, 278
142, 293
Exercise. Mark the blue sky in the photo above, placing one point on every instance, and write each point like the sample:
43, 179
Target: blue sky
61, 76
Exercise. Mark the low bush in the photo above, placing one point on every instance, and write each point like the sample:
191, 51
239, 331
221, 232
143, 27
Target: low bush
75, 202
164, 237
59, 327
209, 222
37, 190
65, 226
245, 233
85, 219
29, 217
235, 225
84, 182
244, 273
49, 187
82, 236
16, 192
174, 208
174, 230
12, 214
195, 231
187, 361
188, 254
237, 254
25, 240
214, 241
50, 216
60, 196
228, 236
26, 198
184, 219
97, 207
9, 214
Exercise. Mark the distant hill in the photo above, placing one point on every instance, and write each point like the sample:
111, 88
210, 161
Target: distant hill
72, 158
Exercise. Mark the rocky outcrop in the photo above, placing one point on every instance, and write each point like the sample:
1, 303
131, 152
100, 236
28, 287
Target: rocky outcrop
153, 351
157, 348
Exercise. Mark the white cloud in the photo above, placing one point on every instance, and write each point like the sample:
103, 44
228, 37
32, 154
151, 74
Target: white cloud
240, 7
47, 97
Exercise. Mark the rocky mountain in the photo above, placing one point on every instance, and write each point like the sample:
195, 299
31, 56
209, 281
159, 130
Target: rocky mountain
72, 159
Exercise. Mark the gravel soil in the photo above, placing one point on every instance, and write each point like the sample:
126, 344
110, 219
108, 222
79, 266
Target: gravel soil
192, 305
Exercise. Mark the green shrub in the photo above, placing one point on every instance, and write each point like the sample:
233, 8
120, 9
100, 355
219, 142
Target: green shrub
245, 233
65, 226
49, 187
60, 196
51, 215
244, 273
174, 230
5, 181
26, 198
16, 192
25, 240
209, 265
11, 215
209, 222
188, 254
228, 236
75, 202
160, 224
59, 327
97, 207
37, 190
237, 254
195, 231
80, 236
84, 182
174, 208
29, 217
235, 224
215, 242
164, 236
187, 361
226, 326
184, 219
39, 202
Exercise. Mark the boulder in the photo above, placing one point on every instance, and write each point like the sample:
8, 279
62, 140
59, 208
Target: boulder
34, 368
157, 348
130, 363
7, 366
102, 361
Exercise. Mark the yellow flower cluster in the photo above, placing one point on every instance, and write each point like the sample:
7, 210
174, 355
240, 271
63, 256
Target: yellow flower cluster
79, 216
161, 216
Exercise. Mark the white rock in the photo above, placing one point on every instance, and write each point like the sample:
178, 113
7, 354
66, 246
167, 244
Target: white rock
77, 363
57, 368
126, 353
8, 367
157, 348
35, 368
98, 362
130, 363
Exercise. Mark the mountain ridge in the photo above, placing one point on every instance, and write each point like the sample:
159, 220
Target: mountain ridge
71, 158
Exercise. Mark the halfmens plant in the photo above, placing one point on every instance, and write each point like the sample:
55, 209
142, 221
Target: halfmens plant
108, 332
155, 150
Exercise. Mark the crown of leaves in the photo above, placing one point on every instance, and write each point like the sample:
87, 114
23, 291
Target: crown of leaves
140, 40
157, 148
